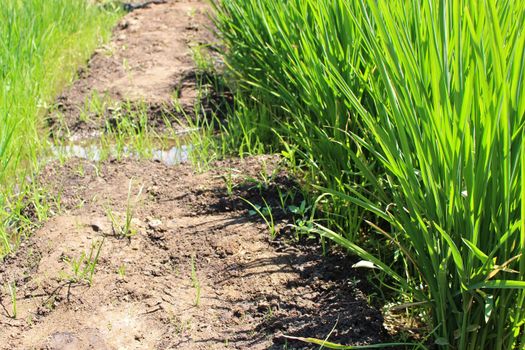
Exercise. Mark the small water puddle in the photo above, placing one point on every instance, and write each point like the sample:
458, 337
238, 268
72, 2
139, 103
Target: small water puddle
171, 154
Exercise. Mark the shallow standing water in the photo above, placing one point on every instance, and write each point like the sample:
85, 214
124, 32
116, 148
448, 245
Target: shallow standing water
172, 154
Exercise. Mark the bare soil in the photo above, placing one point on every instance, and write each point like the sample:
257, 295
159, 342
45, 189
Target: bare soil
196, 270
253, 290
149, 62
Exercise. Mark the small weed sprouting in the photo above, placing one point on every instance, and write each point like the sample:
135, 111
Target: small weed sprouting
125, 229
202, 58
229, 180
121, 271
82, 269
301, 212
180, 325
265, 179
11, 289
195, 282
265, 213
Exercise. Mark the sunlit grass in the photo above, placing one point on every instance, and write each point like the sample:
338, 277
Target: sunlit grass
42, 43
410, 116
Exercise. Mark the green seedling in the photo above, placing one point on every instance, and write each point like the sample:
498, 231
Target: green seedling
181, 325
265, 213
125, 229
82, 268
301, 212
126, 66
264, 180
121, 271
285, 197
201, 57
195, 282
229, 180
11, 287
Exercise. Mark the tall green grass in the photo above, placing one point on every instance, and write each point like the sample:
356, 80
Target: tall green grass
280, 54
413, 112
42, 42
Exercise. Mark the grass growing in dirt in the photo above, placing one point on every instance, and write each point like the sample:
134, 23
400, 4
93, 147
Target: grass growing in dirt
127, 133
409, 118
43, 42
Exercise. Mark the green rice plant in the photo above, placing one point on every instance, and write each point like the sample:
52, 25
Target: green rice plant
448, 128
42, 43
411, 115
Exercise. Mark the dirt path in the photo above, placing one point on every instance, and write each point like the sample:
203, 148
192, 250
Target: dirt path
149, 60
193, 270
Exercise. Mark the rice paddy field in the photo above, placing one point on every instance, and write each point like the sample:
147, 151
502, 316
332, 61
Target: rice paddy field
43, 43
407, 120
379, 145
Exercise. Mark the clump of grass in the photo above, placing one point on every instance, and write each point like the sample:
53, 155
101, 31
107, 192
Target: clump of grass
448, 129
281, 54
82, 268
410, 117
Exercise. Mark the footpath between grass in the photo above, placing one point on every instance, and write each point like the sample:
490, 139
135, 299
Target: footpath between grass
404, 124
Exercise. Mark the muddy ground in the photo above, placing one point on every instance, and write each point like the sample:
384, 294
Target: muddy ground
178, 261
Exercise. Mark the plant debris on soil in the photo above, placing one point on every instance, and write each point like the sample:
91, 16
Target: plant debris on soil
141, 255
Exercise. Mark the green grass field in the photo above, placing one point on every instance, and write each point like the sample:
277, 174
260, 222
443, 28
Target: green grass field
42, 43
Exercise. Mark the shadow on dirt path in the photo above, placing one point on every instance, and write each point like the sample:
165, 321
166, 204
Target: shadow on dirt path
179, 279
